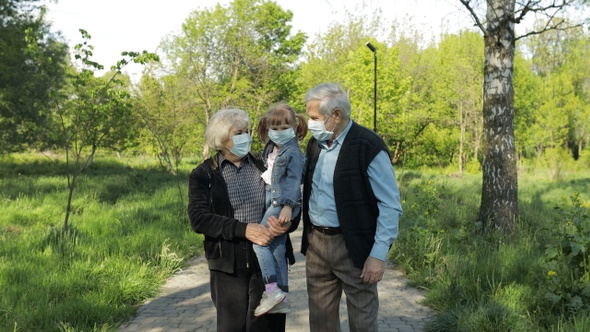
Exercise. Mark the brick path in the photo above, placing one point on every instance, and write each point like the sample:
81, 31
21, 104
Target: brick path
184, 303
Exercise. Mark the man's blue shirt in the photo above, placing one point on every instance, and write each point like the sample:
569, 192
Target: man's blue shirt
322, 204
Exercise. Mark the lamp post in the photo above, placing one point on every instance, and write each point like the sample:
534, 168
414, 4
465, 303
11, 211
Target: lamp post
374, 50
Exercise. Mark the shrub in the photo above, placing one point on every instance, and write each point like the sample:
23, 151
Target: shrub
567, 289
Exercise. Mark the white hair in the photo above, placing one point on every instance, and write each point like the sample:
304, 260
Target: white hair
331, 97
222, 122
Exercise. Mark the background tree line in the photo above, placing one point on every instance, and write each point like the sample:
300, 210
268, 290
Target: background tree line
429, 105
246, 55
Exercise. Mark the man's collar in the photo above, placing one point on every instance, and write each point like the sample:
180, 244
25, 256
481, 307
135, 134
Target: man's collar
340, 139
342, 135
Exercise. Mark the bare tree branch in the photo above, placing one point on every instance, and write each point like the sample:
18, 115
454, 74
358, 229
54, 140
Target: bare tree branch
554, 5
549, 28
535, 7
522, 12
478, 23
550, 11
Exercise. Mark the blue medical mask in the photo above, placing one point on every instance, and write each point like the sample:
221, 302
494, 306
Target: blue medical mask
319, 131
242, 144
281, 137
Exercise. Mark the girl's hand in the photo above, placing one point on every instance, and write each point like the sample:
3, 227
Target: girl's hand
285, 214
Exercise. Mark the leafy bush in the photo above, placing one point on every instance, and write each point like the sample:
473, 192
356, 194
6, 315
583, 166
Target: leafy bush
567, 289
487, 281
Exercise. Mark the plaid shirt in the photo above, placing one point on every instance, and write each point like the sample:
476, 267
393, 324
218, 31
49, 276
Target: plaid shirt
245, 188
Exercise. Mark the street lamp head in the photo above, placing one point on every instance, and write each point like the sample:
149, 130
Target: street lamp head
371, 47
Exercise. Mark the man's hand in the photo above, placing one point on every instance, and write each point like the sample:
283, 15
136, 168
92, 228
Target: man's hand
276, 227
258, 234
373, 270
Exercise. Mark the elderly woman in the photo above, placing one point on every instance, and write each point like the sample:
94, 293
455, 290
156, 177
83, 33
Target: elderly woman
226, 203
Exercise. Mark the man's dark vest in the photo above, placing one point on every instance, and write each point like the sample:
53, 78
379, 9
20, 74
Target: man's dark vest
356, 204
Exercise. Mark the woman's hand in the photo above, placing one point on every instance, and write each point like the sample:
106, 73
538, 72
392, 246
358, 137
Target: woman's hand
258, 234
276, 227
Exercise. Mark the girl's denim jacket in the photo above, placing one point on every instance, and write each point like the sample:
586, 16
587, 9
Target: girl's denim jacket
287, 173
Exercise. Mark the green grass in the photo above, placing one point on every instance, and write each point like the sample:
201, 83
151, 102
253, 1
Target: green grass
129, 232
531, 280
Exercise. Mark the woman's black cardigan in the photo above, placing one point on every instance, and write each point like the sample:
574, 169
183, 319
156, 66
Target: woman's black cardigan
211, 214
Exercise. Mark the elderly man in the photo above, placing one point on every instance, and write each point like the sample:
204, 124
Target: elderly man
351, 209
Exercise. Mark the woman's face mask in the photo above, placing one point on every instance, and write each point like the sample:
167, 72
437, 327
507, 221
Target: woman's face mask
318, 130
242, 144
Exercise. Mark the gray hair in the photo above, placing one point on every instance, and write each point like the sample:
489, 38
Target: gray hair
331, 97
222, 122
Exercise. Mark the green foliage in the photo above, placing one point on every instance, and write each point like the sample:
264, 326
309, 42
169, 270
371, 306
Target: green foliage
32, 63
91, 112
329, 53
560, 67
96, 111
438, 122
165, 114
485, 281
574, 324
358, 76
239, 55
527, 98
556, 161
567, 289
340, 55
551, 127
473, 166
429, 98
489, 317
546, 105
130, 234
427, 222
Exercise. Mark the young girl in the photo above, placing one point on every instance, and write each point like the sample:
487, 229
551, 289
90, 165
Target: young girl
280, 128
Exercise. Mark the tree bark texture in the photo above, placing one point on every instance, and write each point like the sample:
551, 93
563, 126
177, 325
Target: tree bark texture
499, 202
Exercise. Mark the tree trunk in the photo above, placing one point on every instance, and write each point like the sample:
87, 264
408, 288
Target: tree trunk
499, 201
397, 153
461, 136
478, 136
72, 178
71, 187
205, 153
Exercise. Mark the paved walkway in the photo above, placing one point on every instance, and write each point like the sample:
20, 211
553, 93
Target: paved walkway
184, 303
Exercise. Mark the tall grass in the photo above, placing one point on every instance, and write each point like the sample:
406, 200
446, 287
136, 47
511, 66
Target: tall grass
129, 232
530, 280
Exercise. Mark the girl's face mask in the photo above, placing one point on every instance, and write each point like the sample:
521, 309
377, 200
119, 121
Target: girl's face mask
281, 137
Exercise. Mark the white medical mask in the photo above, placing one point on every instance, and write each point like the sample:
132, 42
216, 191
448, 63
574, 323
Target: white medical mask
318, 130
281, 137
242, 144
